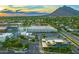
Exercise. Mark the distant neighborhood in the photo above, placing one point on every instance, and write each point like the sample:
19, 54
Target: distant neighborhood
32, 39
39, 30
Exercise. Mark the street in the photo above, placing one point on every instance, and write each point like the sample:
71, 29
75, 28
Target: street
76, 49
34, 47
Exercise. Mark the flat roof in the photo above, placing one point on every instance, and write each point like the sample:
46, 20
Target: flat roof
58, 40
43, 39
51, 41
5, 34
54, 39
10, 23
44, 44
2, 27
41, 29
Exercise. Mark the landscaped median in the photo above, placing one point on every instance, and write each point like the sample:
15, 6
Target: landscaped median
76, 34
69, 38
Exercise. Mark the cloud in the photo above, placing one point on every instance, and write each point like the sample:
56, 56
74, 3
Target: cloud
30, 8
34, 7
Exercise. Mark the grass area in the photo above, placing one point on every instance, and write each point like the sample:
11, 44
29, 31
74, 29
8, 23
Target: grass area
18, 43
75, 34
60, 49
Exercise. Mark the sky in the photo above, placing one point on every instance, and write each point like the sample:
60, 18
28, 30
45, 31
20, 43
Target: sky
76, 7
29, 8
34, 8
37, 8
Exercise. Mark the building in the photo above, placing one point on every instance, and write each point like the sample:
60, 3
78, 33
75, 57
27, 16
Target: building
48, 42
10, 23
59, 40
9, 27
14, 30
44, 45
35, 29
3, 36
2, 29
53, 41
9, 30
23, 29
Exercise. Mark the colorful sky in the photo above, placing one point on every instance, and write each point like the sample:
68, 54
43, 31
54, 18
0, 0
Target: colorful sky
33, 8
37, 8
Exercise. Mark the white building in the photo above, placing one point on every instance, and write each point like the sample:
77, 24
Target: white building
52, 41
4, 35
44, 45
58, 40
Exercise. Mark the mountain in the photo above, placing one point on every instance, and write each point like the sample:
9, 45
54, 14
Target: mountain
65, 11
61, 11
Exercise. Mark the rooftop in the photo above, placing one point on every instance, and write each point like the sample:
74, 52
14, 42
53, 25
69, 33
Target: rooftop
2, 27
44, 44
41, 29
58, 40
5, 34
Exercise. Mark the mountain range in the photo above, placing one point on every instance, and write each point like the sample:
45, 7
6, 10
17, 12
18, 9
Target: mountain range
61, 11
18, 13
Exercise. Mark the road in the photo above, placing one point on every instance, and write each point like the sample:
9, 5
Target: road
34, 47
75, 38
